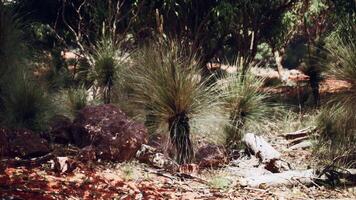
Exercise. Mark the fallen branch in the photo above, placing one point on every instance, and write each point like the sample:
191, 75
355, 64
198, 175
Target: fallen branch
302, 145
27, 162
298, 140
305, 177
300, 133
189, 176
262, 149
287, 178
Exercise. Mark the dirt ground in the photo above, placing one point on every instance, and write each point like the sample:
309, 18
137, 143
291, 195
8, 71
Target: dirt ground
134, 180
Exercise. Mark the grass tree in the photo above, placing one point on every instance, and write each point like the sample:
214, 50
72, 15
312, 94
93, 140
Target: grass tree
11, 44
25, 104
246, 104
337, 120
167, 87
108, 64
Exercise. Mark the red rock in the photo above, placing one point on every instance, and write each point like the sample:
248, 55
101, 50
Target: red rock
22, 143
113, 135
61, 130
211, 155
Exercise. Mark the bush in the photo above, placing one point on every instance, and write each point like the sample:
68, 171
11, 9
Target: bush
11, 45
246, 104
168, 90
72, 100
25, 104
337, 120
108, 67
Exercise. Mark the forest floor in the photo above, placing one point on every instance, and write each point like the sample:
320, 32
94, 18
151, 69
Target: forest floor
134, 180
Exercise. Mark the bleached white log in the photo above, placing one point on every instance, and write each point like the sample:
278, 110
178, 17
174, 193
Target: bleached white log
262, 149
287, 178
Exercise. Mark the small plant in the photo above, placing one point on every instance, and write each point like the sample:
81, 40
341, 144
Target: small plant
25, 104
108, 67
72, 100
167, 88
337, 120
246, 103
219, 180
129, 171
11, 44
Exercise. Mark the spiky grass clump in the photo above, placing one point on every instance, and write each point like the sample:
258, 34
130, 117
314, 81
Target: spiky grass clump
246, 104
25, 104
167, 87
11, 44
71, 100
337, 120
336, 143
108, 67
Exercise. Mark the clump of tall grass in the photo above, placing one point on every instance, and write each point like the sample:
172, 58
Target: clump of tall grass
108, 67
246, 104
25, 104
11, 45
173, 98
72, 100
337, 120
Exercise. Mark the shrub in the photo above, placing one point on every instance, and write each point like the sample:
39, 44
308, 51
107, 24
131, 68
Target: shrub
108, 67
337, 120
11, 45
246, 104
71, 100
167, 87
25, 104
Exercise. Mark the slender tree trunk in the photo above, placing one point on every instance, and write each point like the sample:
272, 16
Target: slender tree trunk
278, 58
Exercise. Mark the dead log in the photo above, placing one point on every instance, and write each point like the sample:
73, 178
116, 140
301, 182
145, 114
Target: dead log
297, 140
259, 147
302, 145
290, 178
300, 133
287, 178
35, 162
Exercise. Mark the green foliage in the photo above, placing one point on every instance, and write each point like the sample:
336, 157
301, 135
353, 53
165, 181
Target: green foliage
220, 181
25, 104
167, 87
108, 67
246, 104
11, 44
72, 100
337, 120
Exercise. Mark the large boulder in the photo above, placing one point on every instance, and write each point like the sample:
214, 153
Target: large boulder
112, 134
22, 143
61, 129
211, 155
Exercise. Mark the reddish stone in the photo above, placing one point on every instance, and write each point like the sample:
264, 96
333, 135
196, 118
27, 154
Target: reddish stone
113, 135
211, 155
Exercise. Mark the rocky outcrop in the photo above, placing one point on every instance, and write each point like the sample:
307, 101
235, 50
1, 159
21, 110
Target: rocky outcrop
211, 155
61, 130
22, 143
109, 131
